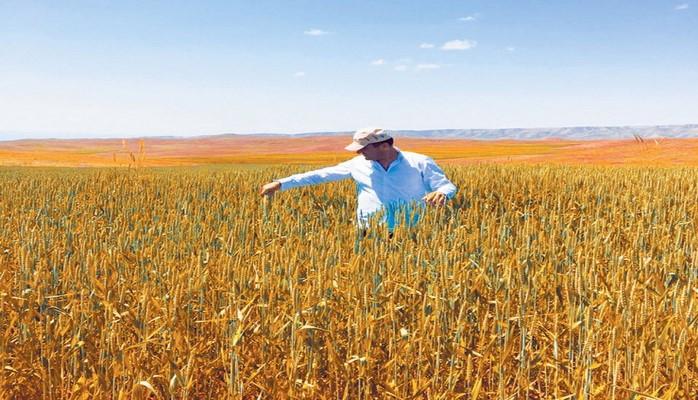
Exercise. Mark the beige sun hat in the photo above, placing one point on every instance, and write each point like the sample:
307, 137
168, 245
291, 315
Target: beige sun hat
366, 136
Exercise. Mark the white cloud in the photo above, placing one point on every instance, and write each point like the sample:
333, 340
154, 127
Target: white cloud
315, 32
464, 44
683, 6
422, 67
469, 18
299, 74
426, 46
379, 61
401, 68
510, 49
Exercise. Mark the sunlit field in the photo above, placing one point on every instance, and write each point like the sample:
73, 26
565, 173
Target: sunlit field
322, 150
536, 281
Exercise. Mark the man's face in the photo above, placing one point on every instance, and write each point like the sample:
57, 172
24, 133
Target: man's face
373, 152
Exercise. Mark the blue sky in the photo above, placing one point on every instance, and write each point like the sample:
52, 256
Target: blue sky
134, 68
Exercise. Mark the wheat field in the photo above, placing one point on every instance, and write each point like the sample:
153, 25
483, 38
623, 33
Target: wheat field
536, 281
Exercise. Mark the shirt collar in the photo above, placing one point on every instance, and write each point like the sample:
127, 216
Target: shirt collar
392, 165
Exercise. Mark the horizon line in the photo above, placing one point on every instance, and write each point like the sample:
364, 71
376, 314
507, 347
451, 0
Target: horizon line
319, 132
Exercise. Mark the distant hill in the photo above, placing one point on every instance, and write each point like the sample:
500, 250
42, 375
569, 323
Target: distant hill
571, 133
566, 133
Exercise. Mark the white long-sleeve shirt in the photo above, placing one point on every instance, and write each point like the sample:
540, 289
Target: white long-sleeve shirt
399, 188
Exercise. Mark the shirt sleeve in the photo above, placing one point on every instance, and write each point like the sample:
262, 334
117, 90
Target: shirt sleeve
329, 174
436, 180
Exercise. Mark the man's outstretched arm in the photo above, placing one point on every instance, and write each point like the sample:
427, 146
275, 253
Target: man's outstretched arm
437, 182
329, 174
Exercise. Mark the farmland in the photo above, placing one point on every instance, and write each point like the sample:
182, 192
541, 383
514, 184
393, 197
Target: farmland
536, 281
266, 150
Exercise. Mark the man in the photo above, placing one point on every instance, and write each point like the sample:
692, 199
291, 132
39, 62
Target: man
388, 180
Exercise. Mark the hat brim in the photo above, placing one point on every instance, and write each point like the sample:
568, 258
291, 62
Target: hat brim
354, 147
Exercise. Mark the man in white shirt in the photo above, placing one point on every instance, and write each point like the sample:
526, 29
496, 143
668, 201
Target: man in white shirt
387, 179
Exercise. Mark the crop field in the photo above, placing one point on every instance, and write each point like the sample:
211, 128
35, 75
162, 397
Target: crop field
320, 150
535, 281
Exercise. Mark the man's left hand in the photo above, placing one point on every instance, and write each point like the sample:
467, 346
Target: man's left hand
435, 198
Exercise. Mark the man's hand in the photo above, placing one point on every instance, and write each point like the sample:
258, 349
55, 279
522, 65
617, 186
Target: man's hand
270, 188
435, 199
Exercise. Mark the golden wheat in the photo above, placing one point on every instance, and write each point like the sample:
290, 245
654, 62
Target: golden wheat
535, 282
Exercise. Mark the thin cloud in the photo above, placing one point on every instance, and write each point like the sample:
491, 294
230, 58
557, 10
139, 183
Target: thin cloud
299, 74
315, 32
426, 46
464, 44
680, 7
469, 18
401, 68
379, 61
510, 49
423, 67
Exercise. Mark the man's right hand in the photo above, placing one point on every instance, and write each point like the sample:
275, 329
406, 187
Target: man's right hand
270, 188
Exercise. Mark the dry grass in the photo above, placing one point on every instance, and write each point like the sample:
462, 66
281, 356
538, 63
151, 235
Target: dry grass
535, 282
328, 150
